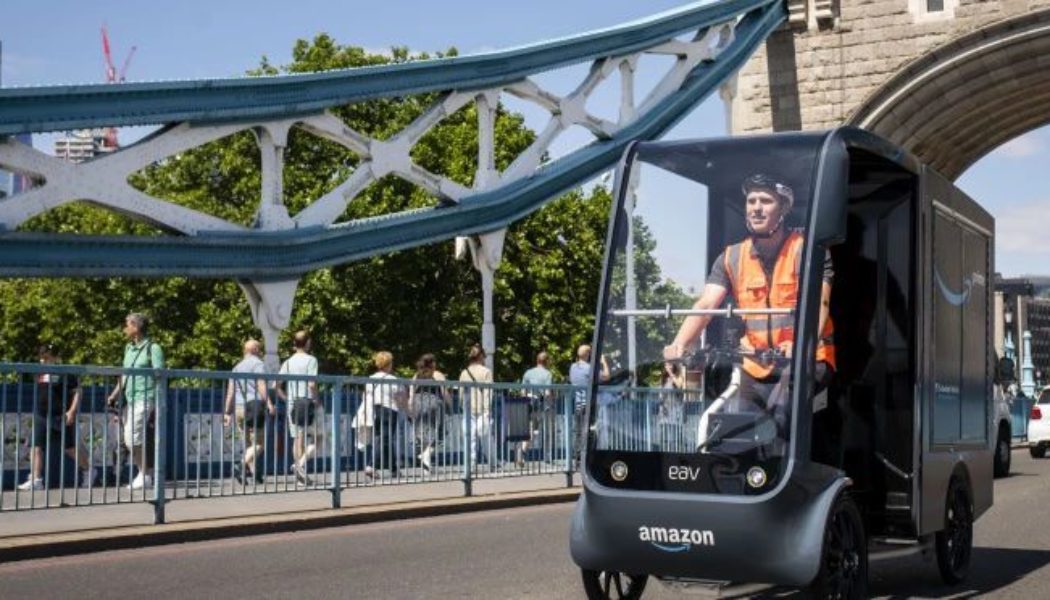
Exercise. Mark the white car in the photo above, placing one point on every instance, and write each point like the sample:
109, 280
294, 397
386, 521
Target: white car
1039, 425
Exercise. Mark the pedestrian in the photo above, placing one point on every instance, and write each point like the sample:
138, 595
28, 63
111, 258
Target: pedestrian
301, 399
670, 415
428, 404
54, 422
480, 405
251, 396
380, 420
542, 411
580, 377
135, 397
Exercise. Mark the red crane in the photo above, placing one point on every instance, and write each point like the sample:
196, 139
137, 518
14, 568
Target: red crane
113, 76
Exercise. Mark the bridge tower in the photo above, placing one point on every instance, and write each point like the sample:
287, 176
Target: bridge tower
948, 79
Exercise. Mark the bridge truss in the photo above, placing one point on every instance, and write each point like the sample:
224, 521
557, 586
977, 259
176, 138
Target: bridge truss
709, 43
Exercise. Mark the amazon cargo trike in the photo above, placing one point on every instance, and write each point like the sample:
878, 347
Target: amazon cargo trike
797, 331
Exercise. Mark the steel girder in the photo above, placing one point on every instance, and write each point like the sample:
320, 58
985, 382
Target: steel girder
282, 247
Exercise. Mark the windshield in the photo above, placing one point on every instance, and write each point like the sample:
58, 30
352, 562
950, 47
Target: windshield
699, 310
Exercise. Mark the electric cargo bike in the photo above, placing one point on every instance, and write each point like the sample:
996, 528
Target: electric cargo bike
792, 385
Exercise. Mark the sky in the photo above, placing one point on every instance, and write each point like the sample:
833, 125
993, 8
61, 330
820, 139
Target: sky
58, 42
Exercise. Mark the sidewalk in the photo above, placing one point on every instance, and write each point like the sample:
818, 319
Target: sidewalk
62, 531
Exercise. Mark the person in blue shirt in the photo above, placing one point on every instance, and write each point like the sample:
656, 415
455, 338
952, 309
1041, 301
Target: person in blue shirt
542, 409
580, 376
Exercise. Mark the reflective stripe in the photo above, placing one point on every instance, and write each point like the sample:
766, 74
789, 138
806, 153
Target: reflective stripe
758, 323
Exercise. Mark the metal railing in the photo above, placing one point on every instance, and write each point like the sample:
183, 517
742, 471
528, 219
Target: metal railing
175, 435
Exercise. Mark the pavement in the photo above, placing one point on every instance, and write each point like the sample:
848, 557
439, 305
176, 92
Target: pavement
50, 532
519, 553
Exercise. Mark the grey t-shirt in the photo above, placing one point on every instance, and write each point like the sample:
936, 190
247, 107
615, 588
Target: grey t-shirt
246, 389
580, 375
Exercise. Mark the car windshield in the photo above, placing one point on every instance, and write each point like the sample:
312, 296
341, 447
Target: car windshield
699, 310
1044, 397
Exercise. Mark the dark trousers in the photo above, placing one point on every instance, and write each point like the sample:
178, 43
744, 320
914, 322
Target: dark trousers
773, 394
384, 451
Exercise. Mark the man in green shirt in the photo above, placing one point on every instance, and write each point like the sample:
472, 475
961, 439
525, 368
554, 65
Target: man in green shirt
140, 395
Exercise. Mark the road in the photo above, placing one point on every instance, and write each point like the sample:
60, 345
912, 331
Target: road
519, 553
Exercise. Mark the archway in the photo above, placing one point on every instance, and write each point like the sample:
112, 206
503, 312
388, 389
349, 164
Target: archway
961, 101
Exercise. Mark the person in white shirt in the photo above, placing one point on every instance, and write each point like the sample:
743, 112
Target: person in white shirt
380, 421
301, 396
480, 401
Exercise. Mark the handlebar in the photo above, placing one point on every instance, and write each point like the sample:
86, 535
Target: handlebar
694, 357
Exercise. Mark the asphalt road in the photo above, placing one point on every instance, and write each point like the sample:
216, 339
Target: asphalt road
519, 553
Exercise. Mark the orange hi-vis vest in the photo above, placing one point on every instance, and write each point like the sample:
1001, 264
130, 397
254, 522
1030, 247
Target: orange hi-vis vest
752, 290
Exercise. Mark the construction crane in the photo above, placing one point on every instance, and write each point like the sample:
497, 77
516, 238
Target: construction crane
110, 142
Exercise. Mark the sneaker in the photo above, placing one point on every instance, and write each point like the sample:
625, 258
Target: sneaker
301, 476
136, 483
141, 482
32, 484
424, 459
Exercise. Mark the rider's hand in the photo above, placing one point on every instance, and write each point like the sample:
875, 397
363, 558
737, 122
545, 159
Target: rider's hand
673, 351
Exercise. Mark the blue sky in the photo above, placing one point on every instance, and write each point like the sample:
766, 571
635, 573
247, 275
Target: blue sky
54, 42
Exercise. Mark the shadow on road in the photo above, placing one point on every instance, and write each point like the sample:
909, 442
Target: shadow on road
992, 569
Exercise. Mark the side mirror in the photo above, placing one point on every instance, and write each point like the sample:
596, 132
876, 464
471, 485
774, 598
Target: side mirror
1004, 372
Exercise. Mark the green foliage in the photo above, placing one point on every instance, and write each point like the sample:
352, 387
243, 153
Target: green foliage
410, 302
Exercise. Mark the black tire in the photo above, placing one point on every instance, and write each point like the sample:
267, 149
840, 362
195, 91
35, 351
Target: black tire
1002, 453
844, 555
954, 544
1037, 451
603, 585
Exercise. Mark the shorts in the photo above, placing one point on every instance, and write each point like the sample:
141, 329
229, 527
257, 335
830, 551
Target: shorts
254, 415
45, 427
300, 416
137, 419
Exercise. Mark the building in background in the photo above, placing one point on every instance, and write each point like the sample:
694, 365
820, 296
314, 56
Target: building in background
82, 144
1023, 304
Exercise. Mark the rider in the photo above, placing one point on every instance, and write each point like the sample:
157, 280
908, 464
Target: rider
770, 253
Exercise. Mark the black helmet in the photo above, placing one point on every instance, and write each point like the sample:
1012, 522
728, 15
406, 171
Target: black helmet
770, 183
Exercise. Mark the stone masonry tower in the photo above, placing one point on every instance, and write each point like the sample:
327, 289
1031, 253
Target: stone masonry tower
949, 80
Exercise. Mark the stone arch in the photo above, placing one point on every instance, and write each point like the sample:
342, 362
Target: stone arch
955, 104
